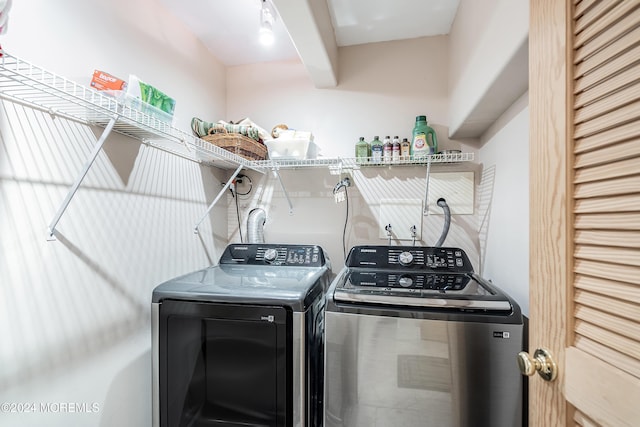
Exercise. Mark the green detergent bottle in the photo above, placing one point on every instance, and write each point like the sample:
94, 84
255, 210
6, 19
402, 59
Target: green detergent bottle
363, 151
424, 140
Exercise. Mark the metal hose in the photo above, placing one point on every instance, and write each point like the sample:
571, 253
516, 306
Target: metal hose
447, 221
255, 225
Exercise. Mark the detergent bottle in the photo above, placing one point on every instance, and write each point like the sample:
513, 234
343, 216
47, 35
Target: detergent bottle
376, 150
363, 151
424, 140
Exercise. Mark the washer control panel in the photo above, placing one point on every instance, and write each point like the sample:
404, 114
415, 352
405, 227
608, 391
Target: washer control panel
407, 282
410, 257
272, 254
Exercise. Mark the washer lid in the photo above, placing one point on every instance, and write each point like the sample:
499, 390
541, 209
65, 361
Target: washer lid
295, 287
454, 291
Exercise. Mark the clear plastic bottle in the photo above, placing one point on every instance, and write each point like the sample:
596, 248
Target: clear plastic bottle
405, 149
395, 151
424, 140
387, 149
363, 151
376, 150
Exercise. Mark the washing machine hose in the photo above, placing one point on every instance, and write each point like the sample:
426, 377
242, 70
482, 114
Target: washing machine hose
447, 221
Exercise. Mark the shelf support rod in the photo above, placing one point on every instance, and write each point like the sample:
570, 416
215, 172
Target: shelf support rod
225, 188
80, 178
426, 191
277, 174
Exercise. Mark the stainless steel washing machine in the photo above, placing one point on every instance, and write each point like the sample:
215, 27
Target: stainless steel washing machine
413, 337
240, 343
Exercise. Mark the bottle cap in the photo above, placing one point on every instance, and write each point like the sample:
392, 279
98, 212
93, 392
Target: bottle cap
421, 118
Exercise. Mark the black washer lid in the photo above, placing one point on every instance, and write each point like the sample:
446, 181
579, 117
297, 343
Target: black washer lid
425, 290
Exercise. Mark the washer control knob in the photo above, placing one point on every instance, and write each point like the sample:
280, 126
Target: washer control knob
405, 258
270, 255
405, 281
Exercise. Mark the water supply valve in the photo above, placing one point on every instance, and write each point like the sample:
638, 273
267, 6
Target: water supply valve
388, 230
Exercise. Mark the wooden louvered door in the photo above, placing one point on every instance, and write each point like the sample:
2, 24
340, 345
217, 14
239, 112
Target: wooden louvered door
584, 93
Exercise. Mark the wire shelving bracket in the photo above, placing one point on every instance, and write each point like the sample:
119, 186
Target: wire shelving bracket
32, 86
87, 165
225, 188
276, 172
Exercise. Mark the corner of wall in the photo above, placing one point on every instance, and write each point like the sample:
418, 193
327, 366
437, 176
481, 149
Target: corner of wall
515, 108
479, 90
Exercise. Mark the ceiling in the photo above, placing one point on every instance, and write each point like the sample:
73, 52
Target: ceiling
229, 28
313, 30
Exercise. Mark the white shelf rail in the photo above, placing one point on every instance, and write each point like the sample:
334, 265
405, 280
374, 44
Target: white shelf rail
33, 86
353, 163
340, 165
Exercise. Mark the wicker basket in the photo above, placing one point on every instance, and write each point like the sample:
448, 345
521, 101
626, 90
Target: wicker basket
236, 143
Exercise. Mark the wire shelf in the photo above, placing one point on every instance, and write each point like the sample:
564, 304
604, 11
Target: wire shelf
28, 84
353, 163
21, 81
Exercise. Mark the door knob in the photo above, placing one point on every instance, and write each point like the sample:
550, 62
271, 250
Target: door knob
541, 362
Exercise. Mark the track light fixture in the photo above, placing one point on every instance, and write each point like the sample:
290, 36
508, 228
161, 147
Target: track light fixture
266, 24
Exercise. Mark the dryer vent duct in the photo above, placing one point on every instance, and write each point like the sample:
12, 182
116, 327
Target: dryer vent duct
255, 225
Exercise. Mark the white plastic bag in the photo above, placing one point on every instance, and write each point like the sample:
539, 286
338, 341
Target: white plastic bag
5, 5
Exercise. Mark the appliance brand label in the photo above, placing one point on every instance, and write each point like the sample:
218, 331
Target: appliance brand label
370, 251
269, 318
501, 334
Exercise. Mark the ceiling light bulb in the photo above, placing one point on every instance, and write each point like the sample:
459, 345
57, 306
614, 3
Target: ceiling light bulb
266, 35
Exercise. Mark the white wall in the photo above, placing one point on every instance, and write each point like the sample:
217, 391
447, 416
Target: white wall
318, 219
504, 158
488, 62
74, 313
488, 45
382, 87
